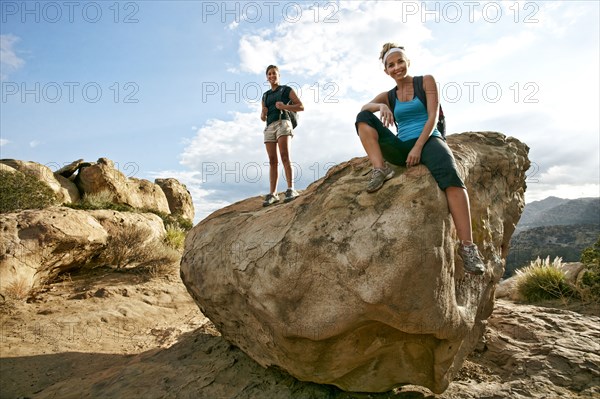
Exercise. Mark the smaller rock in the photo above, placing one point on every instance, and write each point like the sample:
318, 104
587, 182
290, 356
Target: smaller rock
178, 197
102, 293
70, 169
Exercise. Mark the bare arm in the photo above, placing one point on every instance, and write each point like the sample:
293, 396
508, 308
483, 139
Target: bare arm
380, 104
263, 112
296, 105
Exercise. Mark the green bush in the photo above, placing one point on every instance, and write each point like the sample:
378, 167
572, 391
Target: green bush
175, 237
590, 281
170, 219
20, 191
542, 280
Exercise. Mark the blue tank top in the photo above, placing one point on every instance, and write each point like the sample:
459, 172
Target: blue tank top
411, 116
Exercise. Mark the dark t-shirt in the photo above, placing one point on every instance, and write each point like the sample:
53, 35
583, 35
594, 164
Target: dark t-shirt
281, 93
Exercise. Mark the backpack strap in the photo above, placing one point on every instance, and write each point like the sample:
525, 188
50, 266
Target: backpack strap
392, 102
419, 91
285, 93
264, 97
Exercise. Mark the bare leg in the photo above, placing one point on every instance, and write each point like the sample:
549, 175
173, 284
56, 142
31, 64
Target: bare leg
273, 173
284, 143
458, 202
369, 139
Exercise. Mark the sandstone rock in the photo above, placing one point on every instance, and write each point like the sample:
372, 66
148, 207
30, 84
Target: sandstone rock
6, 168
38, 244
507, 289
66, 191
537, 352
178, 196
361, 290
138, 193
70, 188
113, 222
68, 170
572, 270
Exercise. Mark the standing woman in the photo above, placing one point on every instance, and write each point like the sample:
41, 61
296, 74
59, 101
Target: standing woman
416, 141
278, 133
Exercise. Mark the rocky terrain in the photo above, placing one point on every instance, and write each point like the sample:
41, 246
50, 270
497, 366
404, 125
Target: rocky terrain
112, 334
78, 323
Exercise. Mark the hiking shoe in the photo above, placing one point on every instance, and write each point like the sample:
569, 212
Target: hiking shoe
472, 259
378, 177
290, 195
270, 199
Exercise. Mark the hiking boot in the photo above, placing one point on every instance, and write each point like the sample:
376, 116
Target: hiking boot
472, 259
270, 199
378, 177
290, 195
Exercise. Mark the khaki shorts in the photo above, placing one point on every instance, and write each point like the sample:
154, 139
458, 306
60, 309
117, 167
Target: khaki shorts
277, 129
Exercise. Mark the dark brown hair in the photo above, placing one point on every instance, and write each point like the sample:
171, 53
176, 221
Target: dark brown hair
271, 67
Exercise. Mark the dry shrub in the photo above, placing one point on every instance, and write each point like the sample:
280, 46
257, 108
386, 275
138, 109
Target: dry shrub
100, 200
130, 248
175, 237
18, 289
544, 280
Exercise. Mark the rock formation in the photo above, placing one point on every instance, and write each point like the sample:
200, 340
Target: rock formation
36, 245
137, 193
363, 291
78, 178
178, 197
65, 190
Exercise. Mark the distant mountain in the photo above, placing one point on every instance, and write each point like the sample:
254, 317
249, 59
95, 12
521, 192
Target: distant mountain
554, 227
554, 211
563, 241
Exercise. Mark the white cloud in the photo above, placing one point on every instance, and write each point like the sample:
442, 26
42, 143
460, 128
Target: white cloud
34, 143
481, 56
9, 60
3, 142
229, 160
344, 51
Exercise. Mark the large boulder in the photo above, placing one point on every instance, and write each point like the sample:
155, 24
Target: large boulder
37, 245
137, 193
65, 190
364, 291
178, 197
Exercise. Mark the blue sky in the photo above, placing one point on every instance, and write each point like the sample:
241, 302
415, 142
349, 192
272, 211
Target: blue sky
172, 88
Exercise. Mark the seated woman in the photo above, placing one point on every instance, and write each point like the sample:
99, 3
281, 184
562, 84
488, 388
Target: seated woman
416, 141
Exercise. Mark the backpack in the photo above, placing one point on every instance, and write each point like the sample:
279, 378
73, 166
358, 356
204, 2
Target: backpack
420, 93
293, 116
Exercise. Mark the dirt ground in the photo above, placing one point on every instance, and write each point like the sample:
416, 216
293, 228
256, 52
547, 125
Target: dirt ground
109, 334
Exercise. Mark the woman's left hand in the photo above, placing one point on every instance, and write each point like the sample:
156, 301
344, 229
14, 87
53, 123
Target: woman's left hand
414, 157
279, 105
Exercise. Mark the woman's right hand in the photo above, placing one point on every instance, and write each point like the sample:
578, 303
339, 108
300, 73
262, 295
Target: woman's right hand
263, 114
386, 116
